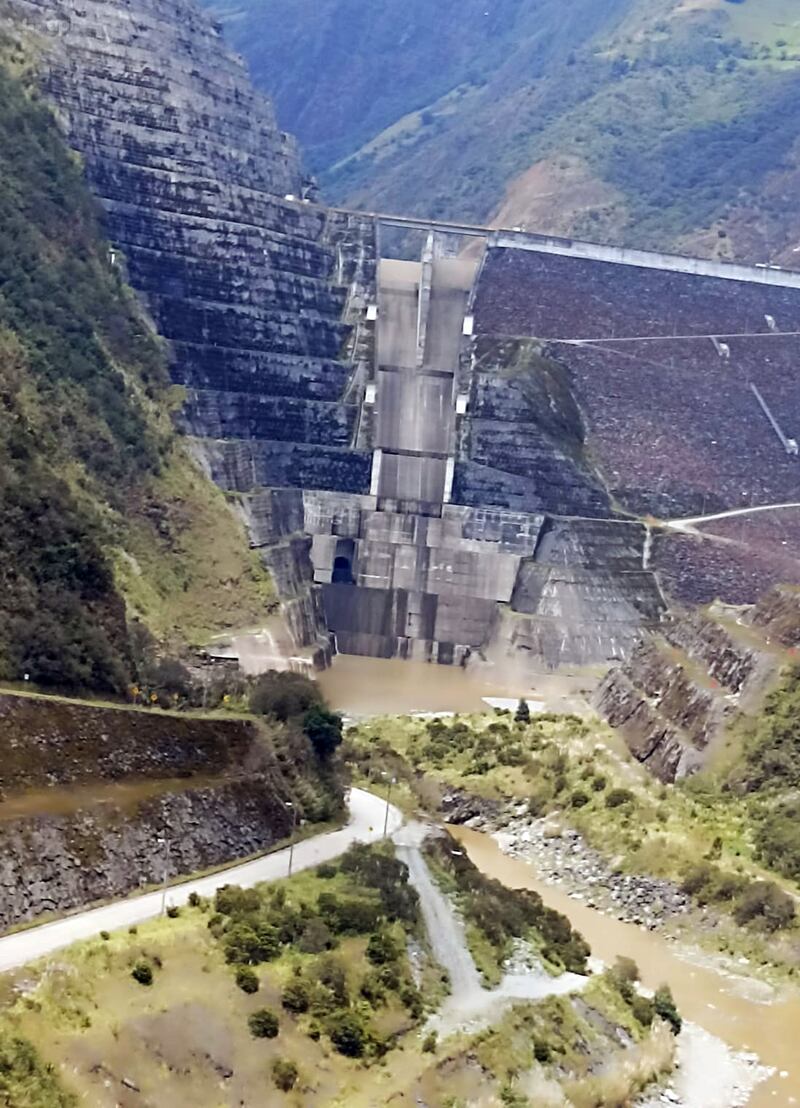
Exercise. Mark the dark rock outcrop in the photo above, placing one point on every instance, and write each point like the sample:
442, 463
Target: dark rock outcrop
87, 792
682, 687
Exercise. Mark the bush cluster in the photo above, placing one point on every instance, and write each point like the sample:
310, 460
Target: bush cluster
502, 914
760, 903
375, 900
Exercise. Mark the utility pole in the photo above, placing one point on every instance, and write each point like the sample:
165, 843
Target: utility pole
392, 781
163, 841
289, 804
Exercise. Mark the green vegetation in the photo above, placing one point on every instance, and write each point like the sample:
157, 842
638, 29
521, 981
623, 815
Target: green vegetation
366, 899
142, 972
650, 122
263, 1024
99, 505
496, 915
324, 1024
25, 1081
723, 835
284, 1074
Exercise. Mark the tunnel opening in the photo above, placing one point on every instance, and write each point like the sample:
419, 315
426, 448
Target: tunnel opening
342, 571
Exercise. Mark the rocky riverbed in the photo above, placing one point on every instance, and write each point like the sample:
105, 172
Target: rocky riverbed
708, 1075
562, 857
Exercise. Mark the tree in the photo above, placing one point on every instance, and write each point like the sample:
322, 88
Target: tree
523, 712
296, 996
283, 695
247, 979
324, 730
382, 948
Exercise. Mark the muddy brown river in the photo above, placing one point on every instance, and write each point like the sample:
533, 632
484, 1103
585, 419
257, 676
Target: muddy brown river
374, 686
705, 996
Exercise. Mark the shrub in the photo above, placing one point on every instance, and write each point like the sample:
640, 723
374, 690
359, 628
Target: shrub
643, 1010
284, 1074
247, 979
523, 712
105, 936
142, 972
617, 797
429, 1043
578, 799
372, 989
326, 870
173, 911
133, 929
245, 945
283, 695
316, 937
599, 783
231, 900
263, 1024
195, 900
542, 1051
778, 840
295, 997
767, 904
347, 1034
664, 1006
382, 947
625, 969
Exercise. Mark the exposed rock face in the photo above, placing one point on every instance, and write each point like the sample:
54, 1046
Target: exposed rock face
682, 687
52, 863
87, 792
777, 617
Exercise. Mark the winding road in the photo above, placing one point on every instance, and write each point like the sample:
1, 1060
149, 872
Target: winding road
366, 824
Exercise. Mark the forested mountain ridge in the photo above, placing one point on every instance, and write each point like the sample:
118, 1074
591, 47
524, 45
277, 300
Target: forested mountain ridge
102, 515
668, 124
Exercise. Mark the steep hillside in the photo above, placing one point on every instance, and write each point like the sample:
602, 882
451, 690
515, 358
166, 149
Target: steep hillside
98, 504
667, 123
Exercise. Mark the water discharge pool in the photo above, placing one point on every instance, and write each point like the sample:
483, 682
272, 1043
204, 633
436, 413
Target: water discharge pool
362, 687
705, 996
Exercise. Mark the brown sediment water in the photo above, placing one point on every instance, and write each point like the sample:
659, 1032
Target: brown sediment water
705, 996
378, 686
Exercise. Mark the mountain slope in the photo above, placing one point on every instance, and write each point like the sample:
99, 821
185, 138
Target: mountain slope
657, 123
94, 492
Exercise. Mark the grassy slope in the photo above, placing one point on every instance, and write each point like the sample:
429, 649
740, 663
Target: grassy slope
186, 1036
98, 498
740, 819
679, 114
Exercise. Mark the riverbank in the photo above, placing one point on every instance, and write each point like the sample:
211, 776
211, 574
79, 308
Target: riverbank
755, 1026
708, 1074
563, 857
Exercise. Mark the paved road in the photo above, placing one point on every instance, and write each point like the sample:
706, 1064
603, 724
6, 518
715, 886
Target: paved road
692, 521
367, 814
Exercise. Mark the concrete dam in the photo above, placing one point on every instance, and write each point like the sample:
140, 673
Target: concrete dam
457, 458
